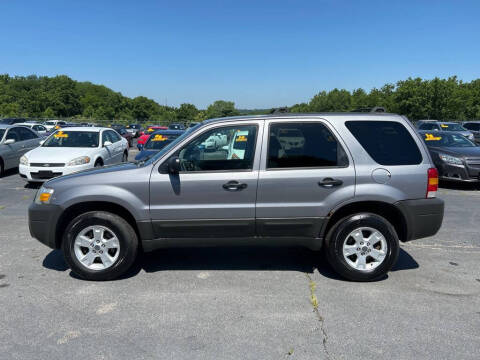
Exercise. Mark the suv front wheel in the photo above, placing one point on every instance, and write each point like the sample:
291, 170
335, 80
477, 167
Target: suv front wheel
99, 245
362, 247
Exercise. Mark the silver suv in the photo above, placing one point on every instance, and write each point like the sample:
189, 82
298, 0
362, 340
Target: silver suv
351, 184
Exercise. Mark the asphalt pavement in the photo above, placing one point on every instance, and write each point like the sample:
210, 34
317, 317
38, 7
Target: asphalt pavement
241, 303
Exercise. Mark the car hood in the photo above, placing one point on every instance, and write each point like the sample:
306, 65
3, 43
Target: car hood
467, 152
103, 175
145, 153
57, 154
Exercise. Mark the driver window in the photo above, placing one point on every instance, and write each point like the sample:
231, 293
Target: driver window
225, 148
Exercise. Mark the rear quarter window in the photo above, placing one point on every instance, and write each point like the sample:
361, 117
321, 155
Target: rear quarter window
387, 142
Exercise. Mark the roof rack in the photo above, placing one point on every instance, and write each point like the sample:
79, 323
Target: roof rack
375, 109
280, 110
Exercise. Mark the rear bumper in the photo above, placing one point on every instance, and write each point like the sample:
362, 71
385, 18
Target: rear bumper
42, 222
423, 217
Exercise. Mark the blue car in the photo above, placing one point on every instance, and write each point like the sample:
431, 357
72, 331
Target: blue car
156, 142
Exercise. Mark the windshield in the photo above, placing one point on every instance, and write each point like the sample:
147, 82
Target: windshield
452, 127
159, 141
169, 146
2, 132
447, 140
76, 139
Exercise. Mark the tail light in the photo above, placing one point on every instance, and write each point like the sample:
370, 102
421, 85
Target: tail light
432, 184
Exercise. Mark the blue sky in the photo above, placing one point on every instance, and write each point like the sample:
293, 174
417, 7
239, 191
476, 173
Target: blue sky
255, 53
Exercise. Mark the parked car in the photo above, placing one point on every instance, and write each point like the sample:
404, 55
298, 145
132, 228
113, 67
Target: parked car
12, 121
360, 184
445, 126
474, 127
71, 150
215, 141
51, 124
134, 129
156, 142
14, 142
146, 134
176, 127
125, 134
456, 158
38, 128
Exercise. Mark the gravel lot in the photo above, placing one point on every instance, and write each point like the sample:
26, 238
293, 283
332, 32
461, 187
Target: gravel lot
243, 303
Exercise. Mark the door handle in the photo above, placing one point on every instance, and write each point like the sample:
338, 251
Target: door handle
330, 182
234, 186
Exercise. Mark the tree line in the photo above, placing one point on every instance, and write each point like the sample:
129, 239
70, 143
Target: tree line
60, 96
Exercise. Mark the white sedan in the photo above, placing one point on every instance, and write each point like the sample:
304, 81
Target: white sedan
73, 149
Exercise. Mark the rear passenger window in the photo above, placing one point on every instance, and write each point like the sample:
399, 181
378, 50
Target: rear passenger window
303, 145
26, 134
387, 142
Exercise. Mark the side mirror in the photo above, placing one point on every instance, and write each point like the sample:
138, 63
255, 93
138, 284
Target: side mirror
174, 165
107, 143
9, 141
41, 142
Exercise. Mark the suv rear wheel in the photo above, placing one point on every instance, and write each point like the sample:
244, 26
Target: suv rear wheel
99, 245
362, 247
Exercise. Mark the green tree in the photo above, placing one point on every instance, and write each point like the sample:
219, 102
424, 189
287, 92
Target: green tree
221, 108
186, 113
48, 113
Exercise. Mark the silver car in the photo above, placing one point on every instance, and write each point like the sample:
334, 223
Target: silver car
353, 184
14, 142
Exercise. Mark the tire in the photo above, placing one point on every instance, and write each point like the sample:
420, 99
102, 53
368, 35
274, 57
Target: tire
119, 258
368, 260
125, 157
2, 169
98, 163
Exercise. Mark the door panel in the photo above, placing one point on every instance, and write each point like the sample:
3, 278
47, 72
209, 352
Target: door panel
208, 203
109, 152
305, 172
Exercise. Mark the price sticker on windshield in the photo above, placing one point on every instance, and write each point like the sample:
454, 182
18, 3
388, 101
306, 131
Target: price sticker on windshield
159, 137
444, 126
60, 134
241, 138
431, 137
150, 130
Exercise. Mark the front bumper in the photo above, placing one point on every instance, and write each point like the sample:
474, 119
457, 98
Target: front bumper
42, 222
423, 217
41, 174
462, 173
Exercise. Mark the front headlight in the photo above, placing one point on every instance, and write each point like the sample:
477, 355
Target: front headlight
470, 136
44, 195
24, 160
451, 159
79, 161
